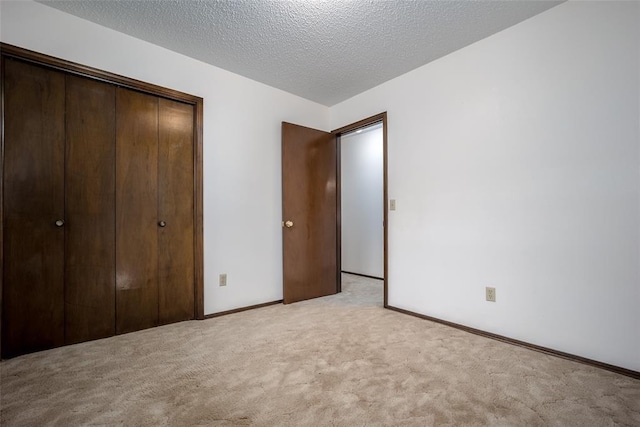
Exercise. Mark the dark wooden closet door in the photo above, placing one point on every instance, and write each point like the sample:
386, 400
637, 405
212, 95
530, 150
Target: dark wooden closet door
136, 211
175, 210
90, 210
33, 275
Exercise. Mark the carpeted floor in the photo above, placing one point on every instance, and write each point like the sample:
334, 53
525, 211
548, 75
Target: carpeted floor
335, 361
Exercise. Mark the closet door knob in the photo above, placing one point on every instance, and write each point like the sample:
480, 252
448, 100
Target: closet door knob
162, 224
59, 223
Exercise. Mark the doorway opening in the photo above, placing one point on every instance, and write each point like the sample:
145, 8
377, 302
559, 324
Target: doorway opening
311, 210
362, 200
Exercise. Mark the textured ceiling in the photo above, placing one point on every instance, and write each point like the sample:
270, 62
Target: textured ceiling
323, 50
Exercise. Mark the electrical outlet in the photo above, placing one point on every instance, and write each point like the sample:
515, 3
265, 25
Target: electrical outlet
491, 294
223, 279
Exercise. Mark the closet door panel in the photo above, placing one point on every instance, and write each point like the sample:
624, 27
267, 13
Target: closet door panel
33, 274
90, 210
136, 211
175, 208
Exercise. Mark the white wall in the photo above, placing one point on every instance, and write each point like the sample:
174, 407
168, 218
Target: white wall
515, 162
362, 204
241, 153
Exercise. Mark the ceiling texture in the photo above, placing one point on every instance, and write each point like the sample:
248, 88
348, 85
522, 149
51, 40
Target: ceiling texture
322, 50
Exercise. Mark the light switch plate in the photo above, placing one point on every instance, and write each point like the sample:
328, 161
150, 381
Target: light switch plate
392, 204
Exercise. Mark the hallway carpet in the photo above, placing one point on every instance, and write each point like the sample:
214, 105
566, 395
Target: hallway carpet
341, 360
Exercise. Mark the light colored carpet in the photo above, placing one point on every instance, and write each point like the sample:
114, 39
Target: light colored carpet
336, 361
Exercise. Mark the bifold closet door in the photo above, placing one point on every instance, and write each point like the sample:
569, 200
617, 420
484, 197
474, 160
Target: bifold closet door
97, 208
136, 211
90, 210
33, 208
175, 211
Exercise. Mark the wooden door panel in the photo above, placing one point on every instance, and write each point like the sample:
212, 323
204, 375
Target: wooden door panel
33, 199
90, 215
176, 209
309, 200
136, 210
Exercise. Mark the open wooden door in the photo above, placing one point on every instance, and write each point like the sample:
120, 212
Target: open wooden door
309, 209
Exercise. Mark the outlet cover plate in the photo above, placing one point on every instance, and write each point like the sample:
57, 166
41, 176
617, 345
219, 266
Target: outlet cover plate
490, 294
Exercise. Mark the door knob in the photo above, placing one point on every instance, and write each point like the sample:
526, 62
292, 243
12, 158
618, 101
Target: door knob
288, 224
59, 223
162, 224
